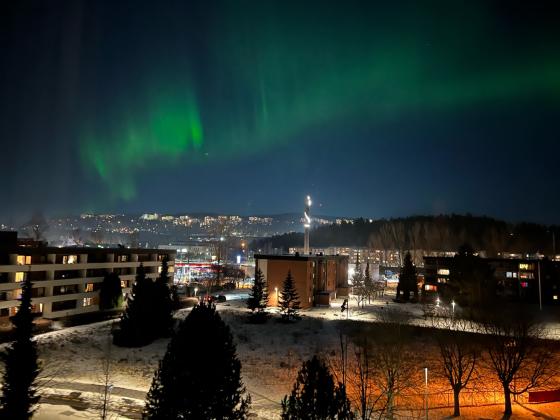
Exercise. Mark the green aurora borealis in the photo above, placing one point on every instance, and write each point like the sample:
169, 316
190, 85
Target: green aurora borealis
247, 106
272, 71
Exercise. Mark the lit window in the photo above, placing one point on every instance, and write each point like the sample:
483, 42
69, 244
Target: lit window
555, 297
69, 259
20, 275
123, 283
443, 271
526, 276
430, 288
525, 266
442, 280
24, 259
87, 302
524, 284
509, 274
89, 287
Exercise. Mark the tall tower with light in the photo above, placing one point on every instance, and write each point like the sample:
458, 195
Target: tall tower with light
306, 225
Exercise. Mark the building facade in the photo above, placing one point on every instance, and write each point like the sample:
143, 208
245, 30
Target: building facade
317, 278
515, 278
66, 280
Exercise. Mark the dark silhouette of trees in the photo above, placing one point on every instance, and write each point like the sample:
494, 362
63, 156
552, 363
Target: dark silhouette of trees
136, 324
289, 300
258, 299
19, 390
110, 293
315, 395
369, 286
200, 375
162, 303
426, 234
408, 281
472, 280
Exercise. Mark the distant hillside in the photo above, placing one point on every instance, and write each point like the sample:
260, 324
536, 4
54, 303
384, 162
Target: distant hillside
431, 233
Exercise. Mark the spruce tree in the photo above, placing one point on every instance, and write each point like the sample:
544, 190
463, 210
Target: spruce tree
162, 303
408, 279
199, 379
315, 395
258, 299
358, 284
289, 299
110, 293
136, 324
369, 287
19, 391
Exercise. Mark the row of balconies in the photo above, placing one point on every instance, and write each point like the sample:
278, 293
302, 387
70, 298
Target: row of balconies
12, 268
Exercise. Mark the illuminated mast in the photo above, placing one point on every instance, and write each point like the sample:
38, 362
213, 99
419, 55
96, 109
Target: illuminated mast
306, 225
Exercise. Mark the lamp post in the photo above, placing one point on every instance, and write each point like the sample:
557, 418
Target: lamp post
426, 390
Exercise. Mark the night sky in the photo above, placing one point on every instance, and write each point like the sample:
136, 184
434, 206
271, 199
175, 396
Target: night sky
376, 109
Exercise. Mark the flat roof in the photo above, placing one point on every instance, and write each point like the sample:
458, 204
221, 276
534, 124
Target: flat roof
295, 257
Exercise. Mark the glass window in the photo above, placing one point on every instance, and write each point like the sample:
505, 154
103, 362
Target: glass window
89, 287
430, 287
24, 259
443, 271
20, 276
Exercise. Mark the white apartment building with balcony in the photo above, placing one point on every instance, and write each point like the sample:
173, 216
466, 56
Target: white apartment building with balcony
66, 280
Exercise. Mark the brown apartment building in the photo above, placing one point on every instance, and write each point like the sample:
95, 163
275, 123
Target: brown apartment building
318, 278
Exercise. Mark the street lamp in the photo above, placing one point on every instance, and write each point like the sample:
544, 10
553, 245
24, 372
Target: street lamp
426, 390
453, 307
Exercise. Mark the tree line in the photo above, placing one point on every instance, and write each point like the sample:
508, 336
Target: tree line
427, 233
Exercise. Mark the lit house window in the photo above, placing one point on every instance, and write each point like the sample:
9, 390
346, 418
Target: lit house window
525, 266
69, 259
526, 276
442, 280
87, 302
20, 275
89, 287
123, 283
23, 259
511, 275
430, 288
443, 271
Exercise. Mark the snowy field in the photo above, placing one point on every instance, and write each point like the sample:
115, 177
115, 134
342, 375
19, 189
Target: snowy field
271, 354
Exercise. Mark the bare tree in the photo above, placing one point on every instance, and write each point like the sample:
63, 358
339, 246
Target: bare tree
516, 352
106, 377
392, 362
460, 353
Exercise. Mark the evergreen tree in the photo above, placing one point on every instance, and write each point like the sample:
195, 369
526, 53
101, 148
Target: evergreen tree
201, 379
315, 396
369, 286
289, 299
19, 391
358, 284
136, 325
407, 279
258, 299
162, 303
110, 293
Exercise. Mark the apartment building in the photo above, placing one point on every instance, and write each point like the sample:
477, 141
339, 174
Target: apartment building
317, 278
66, 280
516, 278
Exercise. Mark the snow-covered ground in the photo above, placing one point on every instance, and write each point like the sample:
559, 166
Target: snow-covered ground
271, 354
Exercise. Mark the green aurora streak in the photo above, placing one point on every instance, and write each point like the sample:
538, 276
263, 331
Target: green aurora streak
274, 74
